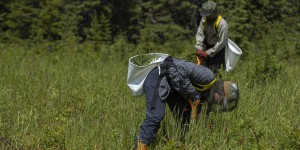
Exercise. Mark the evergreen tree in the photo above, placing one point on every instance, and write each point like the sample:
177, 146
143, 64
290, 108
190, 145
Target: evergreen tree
46, 25
160, 26
149, 24
133, 22
17, 16
70, 21
3, 13
99, 28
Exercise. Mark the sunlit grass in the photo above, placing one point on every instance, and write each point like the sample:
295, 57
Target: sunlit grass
75, 101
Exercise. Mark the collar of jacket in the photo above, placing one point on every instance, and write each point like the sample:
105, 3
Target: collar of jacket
201, 88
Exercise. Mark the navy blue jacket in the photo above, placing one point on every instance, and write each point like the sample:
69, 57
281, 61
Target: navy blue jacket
181, 75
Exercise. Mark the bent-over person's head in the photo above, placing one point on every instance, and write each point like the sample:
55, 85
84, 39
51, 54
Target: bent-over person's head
224, 96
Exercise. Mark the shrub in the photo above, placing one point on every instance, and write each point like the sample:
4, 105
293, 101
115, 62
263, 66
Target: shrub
265, 68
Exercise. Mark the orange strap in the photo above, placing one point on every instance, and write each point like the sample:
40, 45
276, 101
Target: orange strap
194, 106
198, 60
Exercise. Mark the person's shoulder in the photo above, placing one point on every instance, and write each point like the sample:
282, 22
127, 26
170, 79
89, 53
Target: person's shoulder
223, 22
224, 19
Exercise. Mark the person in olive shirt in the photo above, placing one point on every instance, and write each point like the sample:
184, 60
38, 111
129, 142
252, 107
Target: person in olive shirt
211, 37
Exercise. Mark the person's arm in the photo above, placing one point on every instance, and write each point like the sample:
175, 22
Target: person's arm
200, 35
222, 39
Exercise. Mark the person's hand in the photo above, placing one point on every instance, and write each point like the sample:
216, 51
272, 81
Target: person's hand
201, 54
195, 96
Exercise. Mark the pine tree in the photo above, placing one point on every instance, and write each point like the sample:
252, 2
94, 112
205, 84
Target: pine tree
99, 29
16, 19
160, 24
46, 25
70, 21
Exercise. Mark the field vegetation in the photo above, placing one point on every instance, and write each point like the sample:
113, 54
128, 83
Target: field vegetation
63, 71
73, 100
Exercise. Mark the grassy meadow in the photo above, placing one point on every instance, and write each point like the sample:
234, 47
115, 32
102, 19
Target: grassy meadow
74, 100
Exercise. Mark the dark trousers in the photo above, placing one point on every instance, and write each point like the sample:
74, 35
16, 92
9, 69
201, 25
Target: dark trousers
180, 108
215, 63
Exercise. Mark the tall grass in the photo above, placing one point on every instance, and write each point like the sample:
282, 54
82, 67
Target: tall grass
74, 100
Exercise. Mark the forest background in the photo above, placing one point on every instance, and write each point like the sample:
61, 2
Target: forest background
64, 67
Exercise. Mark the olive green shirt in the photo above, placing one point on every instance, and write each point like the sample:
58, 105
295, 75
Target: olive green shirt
217, 40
